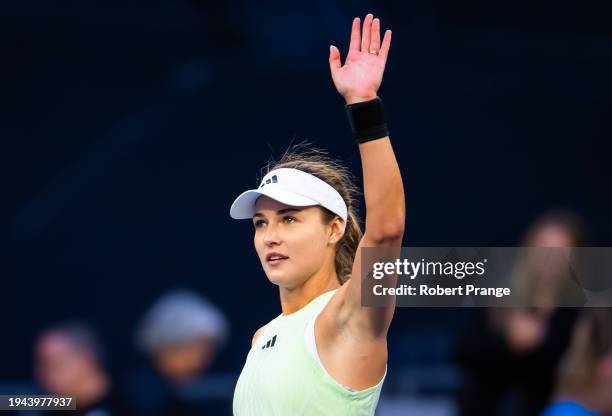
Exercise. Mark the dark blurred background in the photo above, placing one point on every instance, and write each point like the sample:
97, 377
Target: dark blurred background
129, 127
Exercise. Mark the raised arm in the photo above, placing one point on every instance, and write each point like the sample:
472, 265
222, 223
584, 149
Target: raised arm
358, 81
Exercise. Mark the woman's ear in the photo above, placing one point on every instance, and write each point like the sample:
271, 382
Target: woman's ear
338, 225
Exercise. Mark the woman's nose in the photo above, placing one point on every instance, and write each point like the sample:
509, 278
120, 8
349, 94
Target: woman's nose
271, 236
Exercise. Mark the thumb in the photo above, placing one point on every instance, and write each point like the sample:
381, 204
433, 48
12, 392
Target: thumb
334, 58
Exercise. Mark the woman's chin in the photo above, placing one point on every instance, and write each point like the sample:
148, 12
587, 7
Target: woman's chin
277, 279
281, 279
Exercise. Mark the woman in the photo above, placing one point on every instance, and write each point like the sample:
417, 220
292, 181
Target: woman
325, 354
585, 374
524, 344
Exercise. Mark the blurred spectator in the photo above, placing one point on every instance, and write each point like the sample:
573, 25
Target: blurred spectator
68, 362
510, 355
542, 277
181, 334
585, 375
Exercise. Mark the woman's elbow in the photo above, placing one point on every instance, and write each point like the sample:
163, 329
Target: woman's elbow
388, 234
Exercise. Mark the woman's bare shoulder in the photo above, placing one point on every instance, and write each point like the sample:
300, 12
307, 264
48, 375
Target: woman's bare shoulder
258, 333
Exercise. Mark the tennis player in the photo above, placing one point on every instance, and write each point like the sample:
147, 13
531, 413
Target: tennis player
325, 354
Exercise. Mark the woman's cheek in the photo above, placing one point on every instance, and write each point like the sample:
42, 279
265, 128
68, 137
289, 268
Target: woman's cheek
315, 248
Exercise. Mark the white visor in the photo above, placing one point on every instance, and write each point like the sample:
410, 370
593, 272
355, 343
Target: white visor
291, 187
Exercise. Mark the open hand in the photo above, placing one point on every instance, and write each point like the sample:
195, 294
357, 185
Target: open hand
361, 75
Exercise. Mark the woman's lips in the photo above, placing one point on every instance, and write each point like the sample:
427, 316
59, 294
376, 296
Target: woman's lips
276, 261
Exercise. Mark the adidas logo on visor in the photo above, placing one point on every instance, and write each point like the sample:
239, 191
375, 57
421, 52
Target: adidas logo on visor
273, 179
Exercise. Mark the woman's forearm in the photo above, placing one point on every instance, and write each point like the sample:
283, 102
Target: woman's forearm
383, 193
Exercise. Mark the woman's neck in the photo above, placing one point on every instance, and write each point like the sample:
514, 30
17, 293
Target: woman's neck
294, 299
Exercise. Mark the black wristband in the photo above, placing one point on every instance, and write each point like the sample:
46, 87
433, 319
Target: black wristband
367, 120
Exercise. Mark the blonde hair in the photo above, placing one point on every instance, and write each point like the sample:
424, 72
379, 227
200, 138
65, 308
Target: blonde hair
304, 157
591, 341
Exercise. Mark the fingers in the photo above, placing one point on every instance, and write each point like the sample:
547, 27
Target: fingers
366, 35
386, 44
355, 36
334, 58
375, 36
368, 39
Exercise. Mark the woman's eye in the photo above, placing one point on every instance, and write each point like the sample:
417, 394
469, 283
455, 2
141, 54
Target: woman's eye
289, 220
258, 223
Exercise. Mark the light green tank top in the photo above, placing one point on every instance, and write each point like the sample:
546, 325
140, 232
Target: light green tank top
282, 378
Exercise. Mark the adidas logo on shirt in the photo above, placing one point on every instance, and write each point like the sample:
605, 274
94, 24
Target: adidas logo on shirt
270, 343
